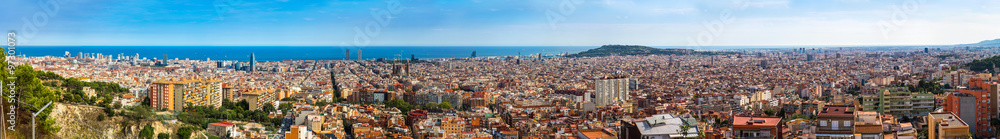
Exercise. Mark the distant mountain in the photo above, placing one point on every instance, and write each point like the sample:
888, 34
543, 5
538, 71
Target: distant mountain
994, 42
628, 50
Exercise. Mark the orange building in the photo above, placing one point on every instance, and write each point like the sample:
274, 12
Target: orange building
174, 94
757, 127
259, 97
453, 126
867, 124
946, 125
973, 105
161, 95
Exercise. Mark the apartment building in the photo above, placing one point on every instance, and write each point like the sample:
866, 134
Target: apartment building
611, 90
867, 125
259, 97
975, 105
757, 127
835, 122
946, 125
898, 101
175, 94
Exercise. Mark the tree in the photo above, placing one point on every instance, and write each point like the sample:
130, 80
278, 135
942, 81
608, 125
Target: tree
147, 132
109, 110
145, 101
445, 105
243, 104
32, 92
185, 132
769, 112
117, 105
431, 105
140, 112
285, 106
399, 104
268, 108
684, 129
798, 116
322, 103
163, 136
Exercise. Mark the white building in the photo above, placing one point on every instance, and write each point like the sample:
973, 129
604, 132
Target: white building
664, 126
611, 90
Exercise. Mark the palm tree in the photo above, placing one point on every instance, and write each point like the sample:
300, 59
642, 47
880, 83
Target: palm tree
684, 129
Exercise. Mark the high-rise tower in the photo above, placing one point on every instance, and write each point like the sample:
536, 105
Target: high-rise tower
253, 62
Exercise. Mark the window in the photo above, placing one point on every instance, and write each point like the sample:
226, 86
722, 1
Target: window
835, 126
847, 124
822, 123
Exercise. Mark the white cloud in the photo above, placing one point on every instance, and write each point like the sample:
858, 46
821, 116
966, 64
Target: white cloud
768, 3
672, 10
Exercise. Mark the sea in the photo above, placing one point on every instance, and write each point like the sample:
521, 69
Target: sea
279, 53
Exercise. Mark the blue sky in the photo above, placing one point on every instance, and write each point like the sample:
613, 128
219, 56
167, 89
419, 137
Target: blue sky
504, 22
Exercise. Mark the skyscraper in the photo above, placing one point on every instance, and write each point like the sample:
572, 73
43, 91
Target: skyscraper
253, 62
165, 60
347, 56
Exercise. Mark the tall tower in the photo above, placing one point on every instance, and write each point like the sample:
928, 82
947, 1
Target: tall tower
359, 54
165, 60
347, 56
253, 62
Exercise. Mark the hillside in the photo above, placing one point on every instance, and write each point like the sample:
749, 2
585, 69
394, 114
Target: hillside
82, 121
984, 64
994, 42
629, 50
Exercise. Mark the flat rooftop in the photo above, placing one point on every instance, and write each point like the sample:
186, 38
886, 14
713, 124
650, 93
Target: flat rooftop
952, 120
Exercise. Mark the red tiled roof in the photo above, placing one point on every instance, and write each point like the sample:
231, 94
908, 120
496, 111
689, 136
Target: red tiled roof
767, 121
222, 124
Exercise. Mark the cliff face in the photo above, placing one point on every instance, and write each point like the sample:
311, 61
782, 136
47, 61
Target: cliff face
80, 121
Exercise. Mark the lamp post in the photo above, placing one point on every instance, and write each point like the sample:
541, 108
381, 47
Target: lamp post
33, 118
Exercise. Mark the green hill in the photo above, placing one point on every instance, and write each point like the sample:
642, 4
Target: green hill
984, 64
994, 42
629, 50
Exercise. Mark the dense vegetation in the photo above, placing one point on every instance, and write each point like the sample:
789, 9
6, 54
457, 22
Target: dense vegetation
926, 86
240, 111
38, 88
406, 107
71, 90
942, 57
624, 50
984, 64
146, 132
28, 89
